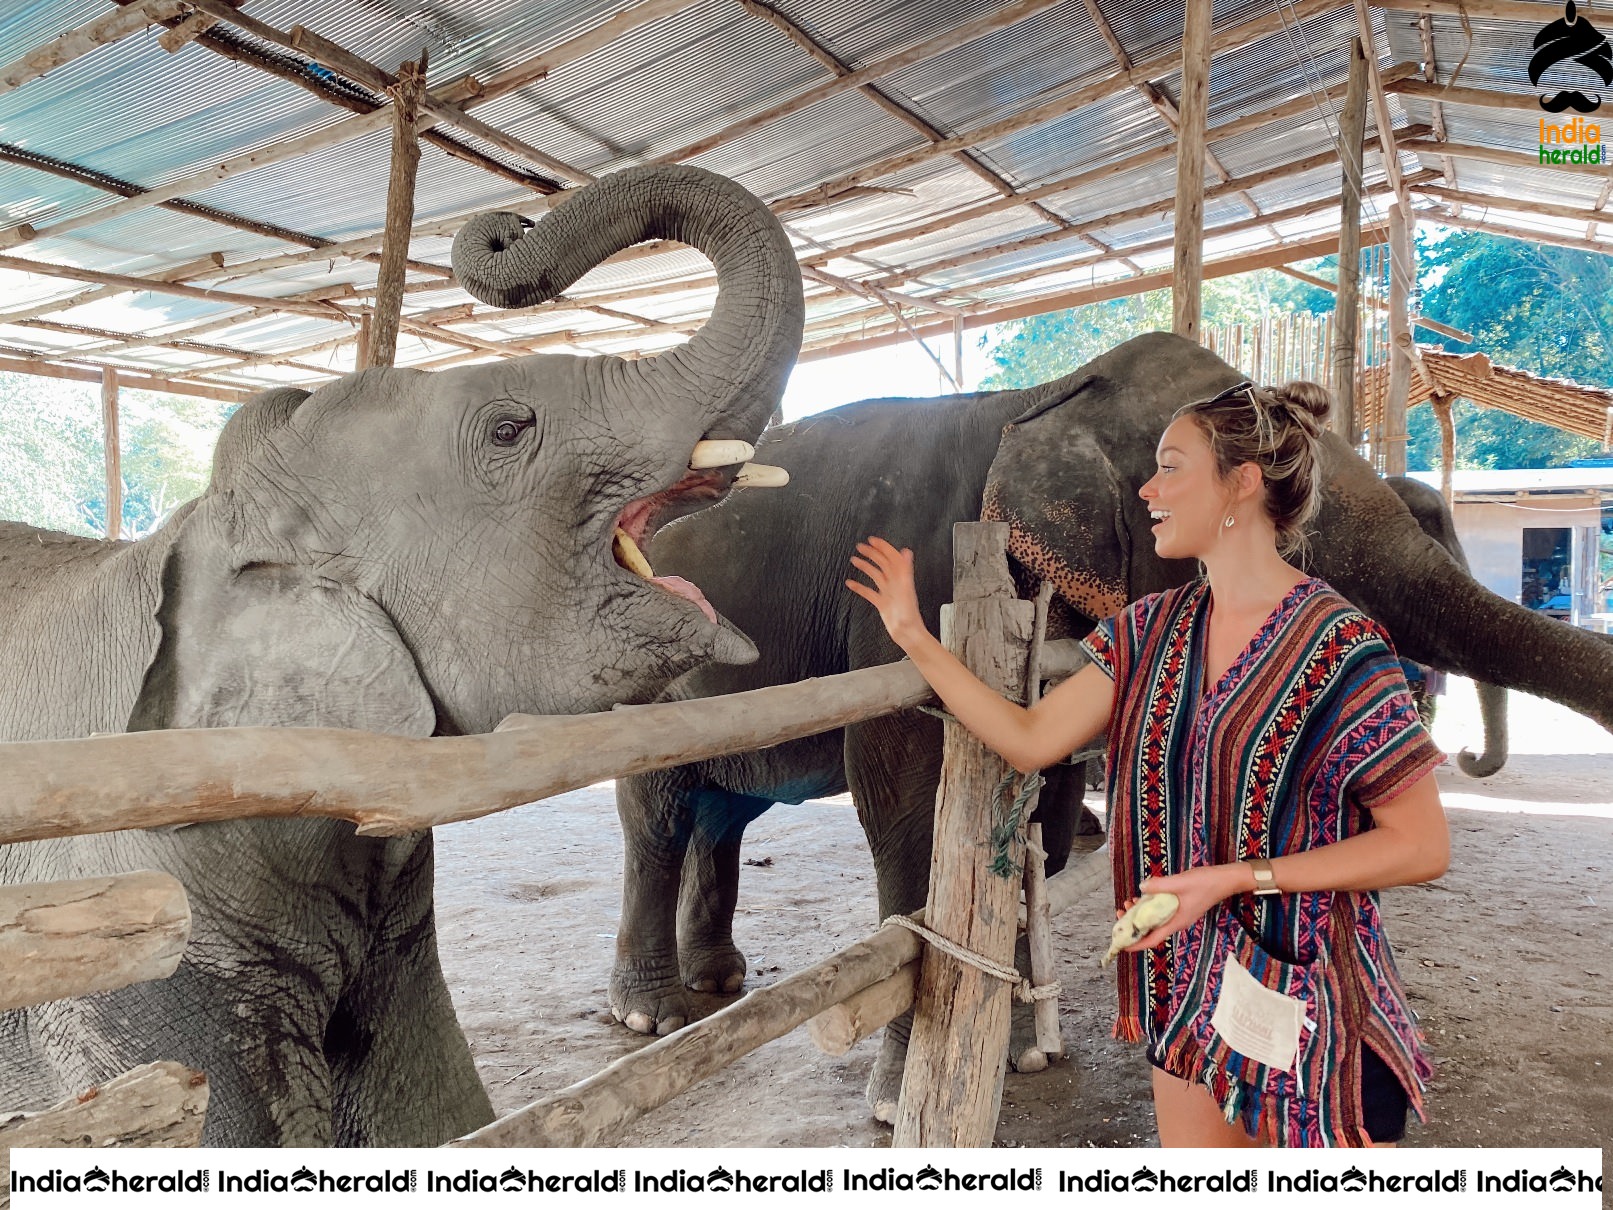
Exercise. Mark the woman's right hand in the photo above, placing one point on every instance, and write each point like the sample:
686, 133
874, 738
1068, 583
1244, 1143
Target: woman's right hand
892, 592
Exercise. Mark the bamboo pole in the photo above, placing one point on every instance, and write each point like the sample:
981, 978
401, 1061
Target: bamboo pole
1352, 140
1534, 235
62, 939
111, 446
1400, 343
1508, 10
406, 95
1513, 205
952, 1086
592, 1112
64, 48
390, 785
1187, 283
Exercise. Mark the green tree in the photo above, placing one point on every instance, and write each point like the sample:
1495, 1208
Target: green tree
52, 461
1049, 346
1530, 307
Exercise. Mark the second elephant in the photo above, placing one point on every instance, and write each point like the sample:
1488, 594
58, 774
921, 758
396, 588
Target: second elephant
1061, 464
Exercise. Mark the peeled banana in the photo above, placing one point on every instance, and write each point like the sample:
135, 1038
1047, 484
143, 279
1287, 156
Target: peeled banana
1141, 918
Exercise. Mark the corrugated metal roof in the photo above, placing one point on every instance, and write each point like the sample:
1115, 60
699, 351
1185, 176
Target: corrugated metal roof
933, 225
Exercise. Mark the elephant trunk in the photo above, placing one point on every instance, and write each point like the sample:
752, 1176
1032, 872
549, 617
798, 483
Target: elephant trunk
1493, 709
738, 362
1439, 615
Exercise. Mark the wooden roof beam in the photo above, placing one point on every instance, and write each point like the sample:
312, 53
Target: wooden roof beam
891, 105
1321, 245
917, 53
41, 368
1458, 197
1529, 235
1494, 155
1242, 34
64, 48
1376, 303
1507, 10
351, 128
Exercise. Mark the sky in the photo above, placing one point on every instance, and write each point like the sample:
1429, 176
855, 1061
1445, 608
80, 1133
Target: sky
902, 369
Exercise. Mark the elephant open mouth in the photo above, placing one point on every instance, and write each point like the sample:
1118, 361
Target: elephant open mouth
714, 468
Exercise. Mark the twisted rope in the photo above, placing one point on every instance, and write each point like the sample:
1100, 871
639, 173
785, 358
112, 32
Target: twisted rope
1024, 991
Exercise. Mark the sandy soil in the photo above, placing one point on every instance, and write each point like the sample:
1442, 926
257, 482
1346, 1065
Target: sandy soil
1508, 959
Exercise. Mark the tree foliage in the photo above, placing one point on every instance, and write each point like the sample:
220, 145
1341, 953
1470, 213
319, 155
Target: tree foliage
1531, 307
52, 455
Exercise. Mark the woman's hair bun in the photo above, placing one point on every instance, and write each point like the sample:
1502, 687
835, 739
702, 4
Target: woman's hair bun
1310, 403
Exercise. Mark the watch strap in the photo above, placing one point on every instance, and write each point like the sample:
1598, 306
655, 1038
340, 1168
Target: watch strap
1265, 879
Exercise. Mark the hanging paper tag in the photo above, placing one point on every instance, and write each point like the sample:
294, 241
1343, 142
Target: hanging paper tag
1255, 1021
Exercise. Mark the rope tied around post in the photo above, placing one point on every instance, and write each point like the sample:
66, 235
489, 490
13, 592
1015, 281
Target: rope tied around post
1024, 991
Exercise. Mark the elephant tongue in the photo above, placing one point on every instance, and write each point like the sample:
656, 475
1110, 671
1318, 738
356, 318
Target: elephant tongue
679, 587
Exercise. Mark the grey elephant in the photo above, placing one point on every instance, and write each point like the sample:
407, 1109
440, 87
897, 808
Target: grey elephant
1060, 463
1429, 509
403, 552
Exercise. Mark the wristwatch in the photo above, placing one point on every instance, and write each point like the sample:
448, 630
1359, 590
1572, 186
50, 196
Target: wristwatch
1265, 880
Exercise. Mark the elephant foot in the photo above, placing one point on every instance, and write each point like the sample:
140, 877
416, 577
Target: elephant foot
885, 1081
1086, 823
717, 968
1024, 1055
648, 1000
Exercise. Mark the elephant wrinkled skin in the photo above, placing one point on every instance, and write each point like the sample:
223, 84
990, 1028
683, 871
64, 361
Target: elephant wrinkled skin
400, 551
1061, 463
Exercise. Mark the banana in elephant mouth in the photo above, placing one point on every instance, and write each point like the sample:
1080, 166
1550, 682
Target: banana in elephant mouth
710, 474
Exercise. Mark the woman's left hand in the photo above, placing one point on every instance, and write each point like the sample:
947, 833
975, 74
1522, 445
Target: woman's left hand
1198, 890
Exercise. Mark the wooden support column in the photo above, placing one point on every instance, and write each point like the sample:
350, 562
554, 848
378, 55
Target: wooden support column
406, 95
1401, 275
1352, 143
361, 358
1193, 107
114, 459
952, 1090
1447, 444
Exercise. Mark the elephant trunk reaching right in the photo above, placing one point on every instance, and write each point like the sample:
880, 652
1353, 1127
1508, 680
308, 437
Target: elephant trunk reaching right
1442, 618
737, 362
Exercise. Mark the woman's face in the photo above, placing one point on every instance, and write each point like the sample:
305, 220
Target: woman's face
1186, 497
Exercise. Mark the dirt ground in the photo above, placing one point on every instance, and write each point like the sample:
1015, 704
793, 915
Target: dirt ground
1508, 958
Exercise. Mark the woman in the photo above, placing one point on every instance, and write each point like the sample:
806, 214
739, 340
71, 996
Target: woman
1266, 766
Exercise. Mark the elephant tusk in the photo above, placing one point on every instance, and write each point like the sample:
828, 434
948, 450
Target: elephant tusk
629, 555
758, 474
708, 454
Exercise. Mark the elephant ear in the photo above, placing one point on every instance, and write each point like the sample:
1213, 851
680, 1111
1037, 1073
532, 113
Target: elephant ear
249, 639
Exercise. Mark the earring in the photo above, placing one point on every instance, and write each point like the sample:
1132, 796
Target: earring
1228, 522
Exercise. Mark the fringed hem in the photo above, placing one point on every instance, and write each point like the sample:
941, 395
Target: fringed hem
1128, 1029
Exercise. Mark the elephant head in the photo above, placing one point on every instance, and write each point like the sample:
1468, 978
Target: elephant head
1065, 480
429, 552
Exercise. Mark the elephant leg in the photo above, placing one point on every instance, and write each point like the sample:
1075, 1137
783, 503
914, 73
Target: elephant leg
657, 814
401, 1068
893, 766
708, 958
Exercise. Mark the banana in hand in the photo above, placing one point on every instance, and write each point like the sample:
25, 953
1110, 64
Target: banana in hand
1141, 918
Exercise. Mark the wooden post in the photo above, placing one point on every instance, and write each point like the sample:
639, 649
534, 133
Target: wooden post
957, 354
361, 356
114, 458
1038, 915
1447, 444
1194, 106
1346, 307
952, 1090
406, 94
1401, 275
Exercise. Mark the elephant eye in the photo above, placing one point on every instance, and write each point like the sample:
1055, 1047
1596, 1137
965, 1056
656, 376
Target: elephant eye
508, 431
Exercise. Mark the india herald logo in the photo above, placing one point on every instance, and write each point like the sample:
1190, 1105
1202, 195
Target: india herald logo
1571, 37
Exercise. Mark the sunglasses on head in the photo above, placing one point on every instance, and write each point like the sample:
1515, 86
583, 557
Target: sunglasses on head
1244, 387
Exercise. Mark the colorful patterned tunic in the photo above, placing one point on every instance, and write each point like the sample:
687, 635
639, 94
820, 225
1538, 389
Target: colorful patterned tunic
1309, 729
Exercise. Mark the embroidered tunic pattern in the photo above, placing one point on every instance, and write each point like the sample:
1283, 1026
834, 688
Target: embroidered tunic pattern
1309, 729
